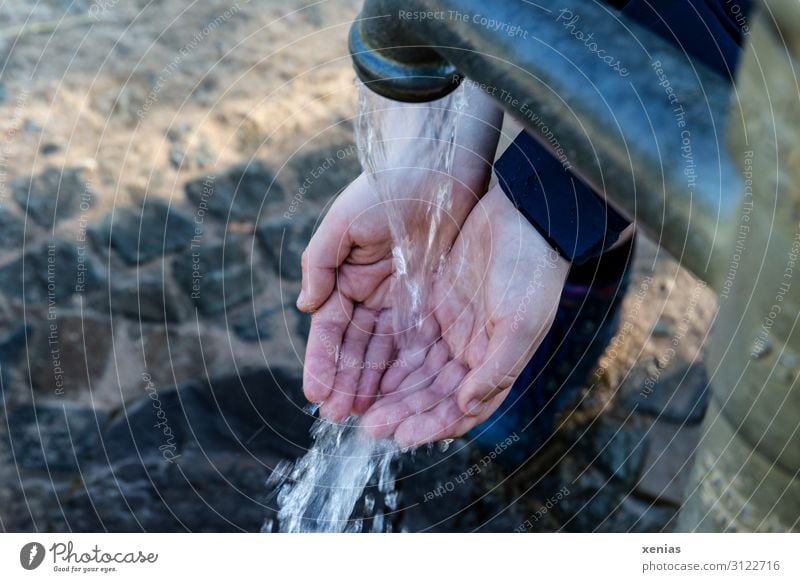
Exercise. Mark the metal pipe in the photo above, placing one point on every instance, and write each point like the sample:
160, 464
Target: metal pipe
628, 112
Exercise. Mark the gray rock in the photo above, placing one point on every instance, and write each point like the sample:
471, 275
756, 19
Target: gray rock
241, 194
146, 296
217, 276
12, 346
69, 355
147, 232
53, 195
616, 450
677, 394
278, 322
227, 434
51, 272
12, 231
323, 172
54, 436
284, 240
50, 148
669, 461
258, 327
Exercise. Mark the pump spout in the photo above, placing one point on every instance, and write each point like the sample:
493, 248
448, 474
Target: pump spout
625, 110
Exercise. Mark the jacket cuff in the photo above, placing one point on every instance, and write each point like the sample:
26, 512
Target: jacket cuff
572, 217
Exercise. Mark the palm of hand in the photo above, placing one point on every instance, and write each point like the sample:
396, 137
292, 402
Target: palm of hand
353, 332
483, 309
477, 333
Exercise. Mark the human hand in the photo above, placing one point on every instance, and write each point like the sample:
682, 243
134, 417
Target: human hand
352, 251
492, 306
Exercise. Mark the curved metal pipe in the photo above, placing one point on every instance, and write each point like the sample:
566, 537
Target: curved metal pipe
629, 113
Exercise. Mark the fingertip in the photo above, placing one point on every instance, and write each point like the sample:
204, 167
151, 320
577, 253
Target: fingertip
475, 407
315, 392
332, 413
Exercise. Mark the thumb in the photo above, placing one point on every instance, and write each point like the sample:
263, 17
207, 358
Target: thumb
326, 251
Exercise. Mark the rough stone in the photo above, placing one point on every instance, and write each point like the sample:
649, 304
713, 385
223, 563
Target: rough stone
669, 461
617, 450
147, 232
12, 231
69, 354
284, 240
678, 393
227, 434
12, 346
54, 436
146, 296
323, 172
280, 322
53, 271
53, 195
241, 194
217, 276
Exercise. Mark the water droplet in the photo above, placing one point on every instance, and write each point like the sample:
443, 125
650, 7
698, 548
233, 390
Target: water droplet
369, 503
377, 522
444, 445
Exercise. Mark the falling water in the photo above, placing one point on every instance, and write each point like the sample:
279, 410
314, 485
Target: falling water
407, 151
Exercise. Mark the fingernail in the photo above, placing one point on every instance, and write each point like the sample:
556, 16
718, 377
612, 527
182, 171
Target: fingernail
301, 299
475, 407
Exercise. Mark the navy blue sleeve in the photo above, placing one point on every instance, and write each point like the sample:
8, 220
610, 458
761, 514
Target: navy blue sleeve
574, 219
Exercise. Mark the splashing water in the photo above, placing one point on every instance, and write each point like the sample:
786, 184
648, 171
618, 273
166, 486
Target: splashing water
325, 485
407, 151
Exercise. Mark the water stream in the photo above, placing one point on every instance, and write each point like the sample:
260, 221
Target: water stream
407, 151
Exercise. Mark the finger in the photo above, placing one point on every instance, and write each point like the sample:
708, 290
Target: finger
328, 326
388, 413
376, 362
421, 378
326, 251
510, 348
411, 357
339, 403
445, 420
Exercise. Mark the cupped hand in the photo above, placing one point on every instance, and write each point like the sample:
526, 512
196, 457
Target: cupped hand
348, 266
492, 305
